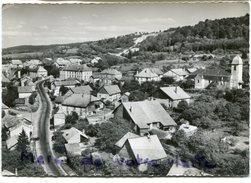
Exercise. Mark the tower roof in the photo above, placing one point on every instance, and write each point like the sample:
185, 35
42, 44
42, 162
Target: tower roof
237, 60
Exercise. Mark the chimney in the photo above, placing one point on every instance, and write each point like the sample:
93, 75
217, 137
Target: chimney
148, 135
175, 89
130, 109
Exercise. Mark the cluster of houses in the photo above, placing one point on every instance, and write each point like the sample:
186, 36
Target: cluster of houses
148, 119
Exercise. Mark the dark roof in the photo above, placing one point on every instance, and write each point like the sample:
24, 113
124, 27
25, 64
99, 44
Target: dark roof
77, 68
112, 89
209, 73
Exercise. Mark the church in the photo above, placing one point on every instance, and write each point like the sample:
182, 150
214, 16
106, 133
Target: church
219, 78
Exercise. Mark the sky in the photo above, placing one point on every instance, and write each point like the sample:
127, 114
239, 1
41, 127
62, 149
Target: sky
57, 24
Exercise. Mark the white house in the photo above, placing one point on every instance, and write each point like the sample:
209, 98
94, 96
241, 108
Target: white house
25, 91
206, 78
61, 62
107, 76
83, 104
73, 135
109, 92
69, 83
144, 115
81, 72
171, 96
177, 74
149, 74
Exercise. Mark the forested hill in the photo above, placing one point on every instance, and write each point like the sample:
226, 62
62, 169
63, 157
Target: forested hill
226, 33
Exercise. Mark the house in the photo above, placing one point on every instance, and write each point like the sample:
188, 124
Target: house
5, 108
171, 96
75, 61
69, 83
73, 149
86, 89
107, 76
15, 125
144, 115
5, 81
121, 142
148, 74
184, 168
83, 104
58, 117
32, 63
109, 92
95, 77
95, 60
125, 97
25, 91
7, 173
38, 72
41, 72
143, 150
189, 130
191, 70
73, 135
60, 62
19, 102
177, 74
81, 72
16, 64
209, 77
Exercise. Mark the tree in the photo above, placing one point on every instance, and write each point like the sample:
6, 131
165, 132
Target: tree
182, 105
109, 133
22, 142
32, 98
167, 80
59, 142
137, 96
63, 90
71, 118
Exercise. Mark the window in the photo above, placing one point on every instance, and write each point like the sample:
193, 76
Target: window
235, 67
198, 80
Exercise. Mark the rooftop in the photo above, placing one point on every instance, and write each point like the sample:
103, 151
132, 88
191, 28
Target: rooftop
69, 133
175, 92
146, 73
237, 60
77, 68
122, 141
111, 72
79, 100
147, 147
25, 89
81, 89
112, 89
144, 113
180, 72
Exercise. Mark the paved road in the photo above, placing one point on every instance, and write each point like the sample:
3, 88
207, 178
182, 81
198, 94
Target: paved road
43, 147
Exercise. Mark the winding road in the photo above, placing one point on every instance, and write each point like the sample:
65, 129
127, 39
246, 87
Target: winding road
43, 144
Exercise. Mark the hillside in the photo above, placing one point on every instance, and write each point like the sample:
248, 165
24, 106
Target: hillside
209, 35
214, 36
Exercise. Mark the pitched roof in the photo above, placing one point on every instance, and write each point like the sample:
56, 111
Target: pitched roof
16, 62
79, 100
185, 169
147, 112
41, 69
73, 149
4, 79
11, 142
237, 60
120, 143
81, 89
4, 106
61, 61
210, 73
67, 82
175, 92
77, 68
147, 147
112, 89
10, 121
69, 133
111, 72
180, 72
25, 89
190, 70
146, 73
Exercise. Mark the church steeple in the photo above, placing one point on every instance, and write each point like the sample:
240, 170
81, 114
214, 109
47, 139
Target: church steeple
236, 72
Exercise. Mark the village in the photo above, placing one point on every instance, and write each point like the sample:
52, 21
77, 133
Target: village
101, 123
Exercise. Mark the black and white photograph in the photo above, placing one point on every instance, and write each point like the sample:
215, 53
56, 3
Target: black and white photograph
152, 89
